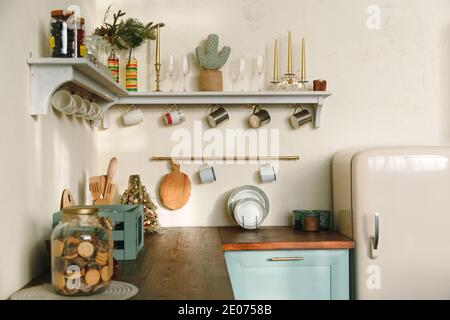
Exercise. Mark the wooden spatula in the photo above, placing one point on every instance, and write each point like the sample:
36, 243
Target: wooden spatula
112, 167
95, 187
175, 188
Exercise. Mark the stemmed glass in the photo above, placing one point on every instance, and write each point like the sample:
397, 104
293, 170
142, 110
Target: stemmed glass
260, 69
186, 67
171, 70
242, 70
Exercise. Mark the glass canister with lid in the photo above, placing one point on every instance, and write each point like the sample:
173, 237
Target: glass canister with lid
62, 35
81, 252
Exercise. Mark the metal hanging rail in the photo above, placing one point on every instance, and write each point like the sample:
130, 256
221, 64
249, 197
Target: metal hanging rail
225, 158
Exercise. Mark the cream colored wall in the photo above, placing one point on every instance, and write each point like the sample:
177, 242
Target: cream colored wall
40, 155
390, 87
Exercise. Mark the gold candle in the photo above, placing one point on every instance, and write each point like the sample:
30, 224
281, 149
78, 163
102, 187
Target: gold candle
303, 71
289, 68
158, 46
275, 61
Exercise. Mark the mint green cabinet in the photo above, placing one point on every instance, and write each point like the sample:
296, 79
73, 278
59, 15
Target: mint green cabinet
289, 274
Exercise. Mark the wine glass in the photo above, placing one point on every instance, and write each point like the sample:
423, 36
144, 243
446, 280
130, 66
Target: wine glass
260, 69
186, 68
171, 70
242, 70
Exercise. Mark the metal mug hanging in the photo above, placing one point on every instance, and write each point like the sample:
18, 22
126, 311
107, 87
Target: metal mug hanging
300, 118
217, 116
258, 118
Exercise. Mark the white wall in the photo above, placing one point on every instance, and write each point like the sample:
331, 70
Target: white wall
40, 155
390, 87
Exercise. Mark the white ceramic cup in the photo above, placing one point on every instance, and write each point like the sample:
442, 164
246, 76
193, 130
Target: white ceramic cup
99, 115
132, 117
95, 111
63, 101
207, 174
81, 106
267, 173
174, 117
88, 109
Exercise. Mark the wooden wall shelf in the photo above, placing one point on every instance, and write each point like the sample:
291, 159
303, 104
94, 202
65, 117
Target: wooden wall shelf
49, 74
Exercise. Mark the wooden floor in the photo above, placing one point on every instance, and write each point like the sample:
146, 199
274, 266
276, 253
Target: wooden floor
182, 263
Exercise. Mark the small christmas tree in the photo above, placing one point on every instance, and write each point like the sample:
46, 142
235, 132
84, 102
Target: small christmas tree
137, 194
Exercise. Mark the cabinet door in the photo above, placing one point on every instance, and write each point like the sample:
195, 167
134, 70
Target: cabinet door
289, 274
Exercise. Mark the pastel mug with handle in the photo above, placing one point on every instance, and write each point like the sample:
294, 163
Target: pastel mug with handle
132, 117
207, 174
267, 173
63, 101
89, 107
81, 106
174, 116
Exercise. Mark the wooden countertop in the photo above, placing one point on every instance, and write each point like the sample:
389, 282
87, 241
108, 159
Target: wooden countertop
182, 263
281, 238
188, 262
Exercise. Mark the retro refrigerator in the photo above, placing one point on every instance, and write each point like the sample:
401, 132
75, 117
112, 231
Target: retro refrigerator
395, 203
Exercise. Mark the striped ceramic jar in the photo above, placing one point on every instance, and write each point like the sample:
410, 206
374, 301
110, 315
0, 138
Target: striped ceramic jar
131, 75
113, 65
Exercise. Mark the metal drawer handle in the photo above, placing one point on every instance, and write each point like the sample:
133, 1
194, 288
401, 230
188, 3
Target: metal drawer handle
376, 238
286, 259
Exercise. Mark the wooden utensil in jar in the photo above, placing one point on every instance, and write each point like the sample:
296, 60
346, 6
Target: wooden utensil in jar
175, 189
66, 199
95, 187
112, 167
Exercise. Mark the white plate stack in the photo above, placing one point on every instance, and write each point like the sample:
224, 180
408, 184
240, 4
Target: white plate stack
248, 206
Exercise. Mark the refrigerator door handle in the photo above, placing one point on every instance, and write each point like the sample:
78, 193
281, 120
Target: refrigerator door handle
375, 239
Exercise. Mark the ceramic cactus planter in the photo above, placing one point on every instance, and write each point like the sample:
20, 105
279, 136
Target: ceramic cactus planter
211, 60
210, 80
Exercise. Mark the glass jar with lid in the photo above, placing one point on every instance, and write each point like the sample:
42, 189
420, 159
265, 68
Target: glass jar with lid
81, 252
80, 37
62, 35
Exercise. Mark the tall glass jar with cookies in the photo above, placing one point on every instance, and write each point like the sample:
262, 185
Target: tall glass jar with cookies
82, 246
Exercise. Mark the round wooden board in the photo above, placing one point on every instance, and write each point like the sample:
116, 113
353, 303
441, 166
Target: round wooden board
175, 189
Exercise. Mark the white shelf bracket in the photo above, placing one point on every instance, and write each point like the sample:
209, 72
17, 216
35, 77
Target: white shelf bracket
106, 118
317, 113
45, 79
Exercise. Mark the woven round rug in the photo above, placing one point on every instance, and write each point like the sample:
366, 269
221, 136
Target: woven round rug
117, 291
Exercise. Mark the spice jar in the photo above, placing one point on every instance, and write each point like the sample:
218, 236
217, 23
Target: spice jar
297, 219
62, 36
81, 247
80, 36
310, 221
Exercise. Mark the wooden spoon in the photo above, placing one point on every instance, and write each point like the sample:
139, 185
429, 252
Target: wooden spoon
112, 167
175, 188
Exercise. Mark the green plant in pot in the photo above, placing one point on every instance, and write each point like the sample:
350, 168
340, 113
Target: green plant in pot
211, 60
131, 34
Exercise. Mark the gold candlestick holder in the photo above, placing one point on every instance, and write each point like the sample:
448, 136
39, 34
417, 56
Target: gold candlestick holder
289, 82
158, 77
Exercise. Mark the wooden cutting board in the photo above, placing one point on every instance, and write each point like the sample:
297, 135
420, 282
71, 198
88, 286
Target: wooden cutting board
175, 189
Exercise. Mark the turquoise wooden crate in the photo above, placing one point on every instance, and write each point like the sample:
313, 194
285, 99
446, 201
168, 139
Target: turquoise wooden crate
128, 232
